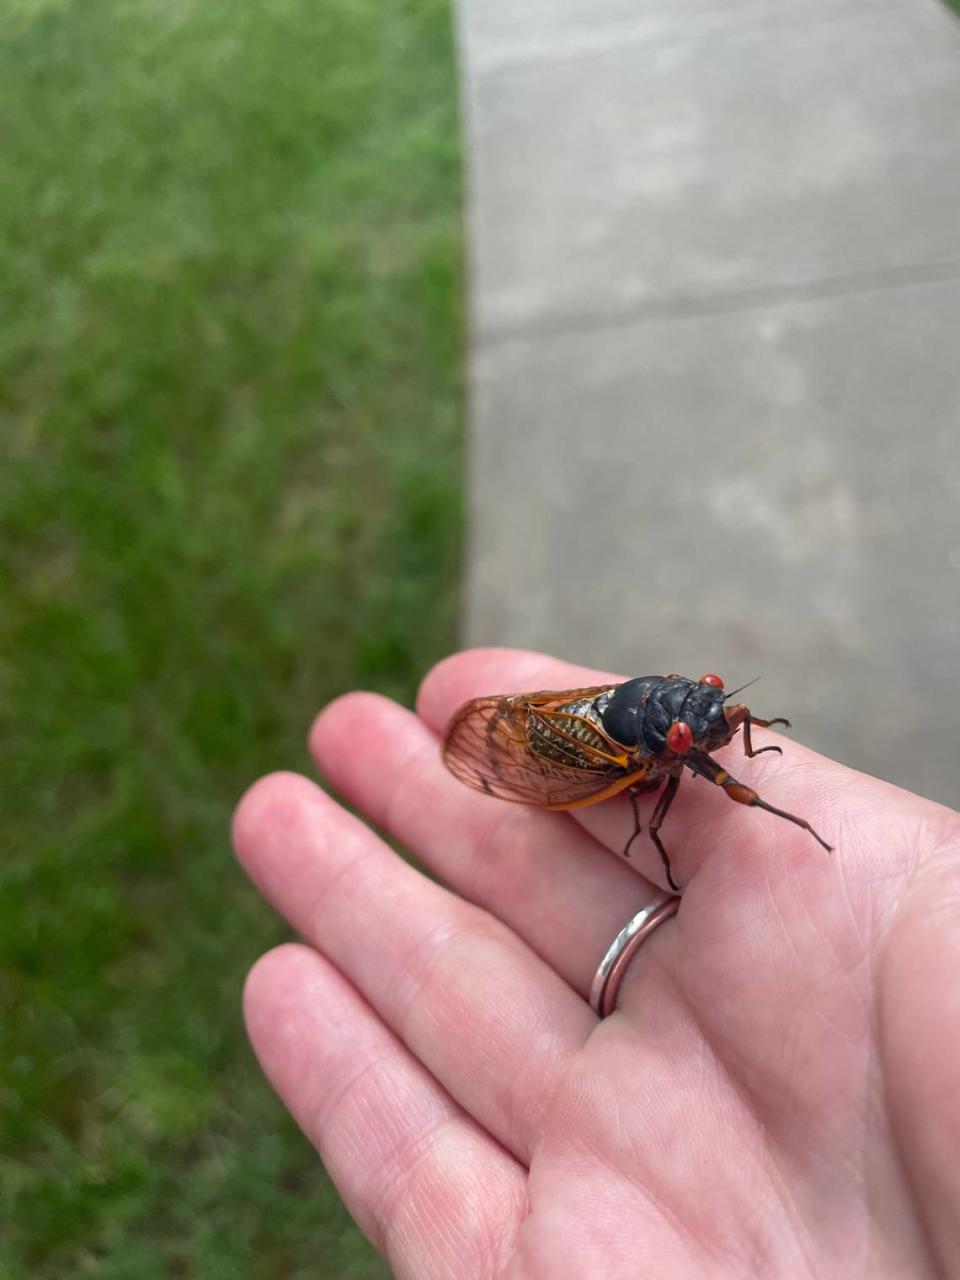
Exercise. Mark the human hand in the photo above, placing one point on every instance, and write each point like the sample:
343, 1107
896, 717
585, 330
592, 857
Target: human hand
778, 1093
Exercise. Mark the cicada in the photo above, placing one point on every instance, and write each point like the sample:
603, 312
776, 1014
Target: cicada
569, 749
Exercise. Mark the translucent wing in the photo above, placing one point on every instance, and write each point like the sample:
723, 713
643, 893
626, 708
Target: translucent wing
534, 749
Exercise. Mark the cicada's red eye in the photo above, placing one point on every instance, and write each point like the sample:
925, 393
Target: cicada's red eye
680, 737
712, 680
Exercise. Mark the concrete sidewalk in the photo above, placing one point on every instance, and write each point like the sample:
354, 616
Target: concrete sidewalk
715, 301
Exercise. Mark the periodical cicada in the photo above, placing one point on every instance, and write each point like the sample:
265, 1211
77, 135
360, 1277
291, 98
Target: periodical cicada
569, 749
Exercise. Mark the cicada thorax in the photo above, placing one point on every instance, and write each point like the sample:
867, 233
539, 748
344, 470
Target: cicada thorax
642, 712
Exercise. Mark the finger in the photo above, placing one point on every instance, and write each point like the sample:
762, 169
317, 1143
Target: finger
489, 1019
540, 873
428, 1188
702, 822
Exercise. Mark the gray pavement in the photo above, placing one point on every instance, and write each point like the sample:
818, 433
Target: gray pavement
715, 309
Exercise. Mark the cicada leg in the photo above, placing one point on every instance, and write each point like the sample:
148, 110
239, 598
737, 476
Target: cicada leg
656, 821
702, 764
764, 724
664, 802
634, 792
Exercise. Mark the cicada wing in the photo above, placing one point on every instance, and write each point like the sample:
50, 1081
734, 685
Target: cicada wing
530, 749
556, 699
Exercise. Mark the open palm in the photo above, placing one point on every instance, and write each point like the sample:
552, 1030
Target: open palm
778, 1093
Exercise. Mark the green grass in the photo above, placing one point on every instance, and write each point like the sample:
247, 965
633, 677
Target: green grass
229, 403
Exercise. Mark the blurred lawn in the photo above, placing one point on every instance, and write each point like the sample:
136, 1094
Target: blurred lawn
230, 400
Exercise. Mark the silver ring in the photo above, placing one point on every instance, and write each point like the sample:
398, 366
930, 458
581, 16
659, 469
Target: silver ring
606, 984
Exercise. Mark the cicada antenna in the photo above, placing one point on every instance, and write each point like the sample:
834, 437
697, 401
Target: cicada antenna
742, 687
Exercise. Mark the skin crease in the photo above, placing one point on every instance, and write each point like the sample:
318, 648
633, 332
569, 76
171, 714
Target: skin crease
778, 1093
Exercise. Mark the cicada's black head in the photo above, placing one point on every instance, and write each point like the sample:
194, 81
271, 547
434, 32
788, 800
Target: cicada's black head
657, 714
